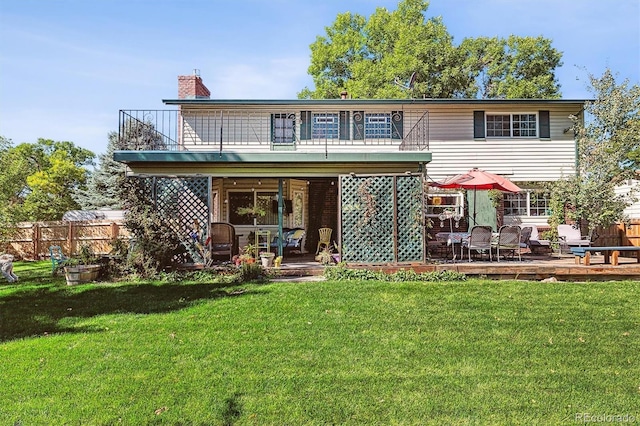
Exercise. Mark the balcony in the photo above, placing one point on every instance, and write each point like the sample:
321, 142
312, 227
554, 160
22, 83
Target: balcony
234, 130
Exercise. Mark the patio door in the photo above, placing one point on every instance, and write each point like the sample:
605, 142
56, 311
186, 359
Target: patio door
381, 218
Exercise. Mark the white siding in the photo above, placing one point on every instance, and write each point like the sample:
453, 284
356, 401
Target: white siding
632, 186
455, 150
247, 128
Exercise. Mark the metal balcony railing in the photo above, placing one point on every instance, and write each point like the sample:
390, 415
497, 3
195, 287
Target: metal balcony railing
171, 130
152, 130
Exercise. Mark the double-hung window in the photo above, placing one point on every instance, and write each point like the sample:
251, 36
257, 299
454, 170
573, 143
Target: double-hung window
377, 126
526, 204
325, 126
512, 125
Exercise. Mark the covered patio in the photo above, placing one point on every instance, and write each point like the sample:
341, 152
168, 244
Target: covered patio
372, 201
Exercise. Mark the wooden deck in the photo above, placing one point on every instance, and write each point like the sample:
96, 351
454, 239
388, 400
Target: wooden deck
532, 267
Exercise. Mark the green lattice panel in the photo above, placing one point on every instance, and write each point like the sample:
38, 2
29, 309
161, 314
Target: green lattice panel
410, 231
182, 201
381, 219
367, 219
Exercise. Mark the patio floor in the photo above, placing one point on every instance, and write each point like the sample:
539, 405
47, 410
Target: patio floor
532, 267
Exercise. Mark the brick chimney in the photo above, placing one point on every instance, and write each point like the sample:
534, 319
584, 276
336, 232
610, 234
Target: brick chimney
192, 87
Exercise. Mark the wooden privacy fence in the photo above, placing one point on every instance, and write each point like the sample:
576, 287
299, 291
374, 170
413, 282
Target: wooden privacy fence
31, 241
619, 235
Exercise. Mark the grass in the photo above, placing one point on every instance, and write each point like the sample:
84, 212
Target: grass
199, 353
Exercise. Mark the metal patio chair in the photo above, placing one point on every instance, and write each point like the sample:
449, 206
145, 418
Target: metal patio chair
509, 240
479, 240
58, 258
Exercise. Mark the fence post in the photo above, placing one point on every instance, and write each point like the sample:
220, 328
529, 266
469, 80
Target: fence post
70, 239
36, 240
115, 231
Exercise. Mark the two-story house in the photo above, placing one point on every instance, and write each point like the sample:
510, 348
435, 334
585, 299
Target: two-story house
359, 166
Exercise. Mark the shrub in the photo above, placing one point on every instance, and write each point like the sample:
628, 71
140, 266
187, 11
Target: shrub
343, 273
156, 243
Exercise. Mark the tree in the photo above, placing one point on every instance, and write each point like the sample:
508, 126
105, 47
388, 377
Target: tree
376, 58
104, 186
607, 144
513, 68
38, 179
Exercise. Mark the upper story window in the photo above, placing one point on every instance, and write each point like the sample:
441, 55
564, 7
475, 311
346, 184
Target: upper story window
325, 126
283, 128
384, 125
512, 125
526, 204
377, 126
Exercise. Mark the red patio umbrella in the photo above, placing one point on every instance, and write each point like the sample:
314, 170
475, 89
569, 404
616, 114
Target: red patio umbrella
478, 179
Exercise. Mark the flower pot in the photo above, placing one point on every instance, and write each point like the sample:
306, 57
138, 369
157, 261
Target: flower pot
81, 273
267, 259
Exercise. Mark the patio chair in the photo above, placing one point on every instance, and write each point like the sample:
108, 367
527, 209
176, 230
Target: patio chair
58, 258
292, 240
535, 243
525, 237
509, 240
480, 240
223, 240
325, 238
569, 236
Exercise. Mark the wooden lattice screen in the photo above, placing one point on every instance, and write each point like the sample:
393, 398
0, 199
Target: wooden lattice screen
382, 219
182, 201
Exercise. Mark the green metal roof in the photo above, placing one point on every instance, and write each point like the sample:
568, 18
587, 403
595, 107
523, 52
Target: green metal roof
272, 163
271, 157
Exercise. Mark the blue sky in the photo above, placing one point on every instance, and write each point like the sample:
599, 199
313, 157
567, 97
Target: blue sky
68, 66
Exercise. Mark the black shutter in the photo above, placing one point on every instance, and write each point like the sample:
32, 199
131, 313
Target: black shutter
344, 125
478, 124
306, 125
358, 125
545, 127
397, 125
273, 128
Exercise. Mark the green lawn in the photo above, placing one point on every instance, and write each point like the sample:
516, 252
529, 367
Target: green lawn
200, 353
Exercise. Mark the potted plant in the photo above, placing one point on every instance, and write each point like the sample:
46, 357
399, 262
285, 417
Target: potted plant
267, 258
325, 256
82, 268
247, 256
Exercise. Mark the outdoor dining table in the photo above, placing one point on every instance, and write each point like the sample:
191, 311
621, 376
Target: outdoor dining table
459, 239
453, 240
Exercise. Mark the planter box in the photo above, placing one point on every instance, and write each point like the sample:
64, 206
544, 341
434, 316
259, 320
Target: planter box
81, 274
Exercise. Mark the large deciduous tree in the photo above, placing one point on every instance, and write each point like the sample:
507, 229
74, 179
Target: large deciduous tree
38, 179
376, 58
608, 144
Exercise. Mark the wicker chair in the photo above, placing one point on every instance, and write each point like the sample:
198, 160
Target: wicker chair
223, 240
